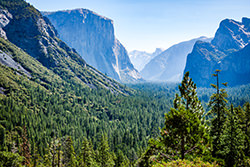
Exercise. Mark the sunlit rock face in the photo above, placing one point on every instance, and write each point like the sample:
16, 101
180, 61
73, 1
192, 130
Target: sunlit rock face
93, 38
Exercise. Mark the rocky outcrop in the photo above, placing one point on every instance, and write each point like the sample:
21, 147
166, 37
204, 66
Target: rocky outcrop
7, 60
170, 64
232, 34
229, 52
34, 34
202, 61
141, 58
93, 37
236, 67
5, 18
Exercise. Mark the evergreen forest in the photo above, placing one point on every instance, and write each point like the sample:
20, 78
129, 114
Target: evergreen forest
155, 125
58, 111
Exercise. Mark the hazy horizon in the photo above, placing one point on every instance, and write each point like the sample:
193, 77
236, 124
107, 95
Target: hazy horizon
146, 24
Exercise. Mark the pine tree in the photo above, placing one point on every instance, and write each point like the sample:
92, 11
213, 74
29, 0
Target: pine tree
183, 132
25, 147
2, 138
232, 140
69, 158
86, 157
152, 150
104, 158
36, 158
218, 110
246, 127
189, 96
47, 157
121, 160
52, 152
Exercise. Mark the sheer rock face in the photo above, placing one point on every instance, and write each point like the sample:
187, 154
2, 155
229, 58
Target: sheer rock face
232, 34
35, 35
93, 37
25, 27
202, 61
229, 52
170, 64
5, 18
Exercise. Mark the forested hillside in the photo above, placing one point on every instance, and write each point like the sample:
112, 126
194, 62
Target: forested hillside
56, 110
193, 137
51, 108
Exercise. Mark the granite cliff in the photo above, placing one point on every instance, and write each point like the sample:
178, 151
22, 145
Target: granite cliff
33, 34
93, 38
228, 51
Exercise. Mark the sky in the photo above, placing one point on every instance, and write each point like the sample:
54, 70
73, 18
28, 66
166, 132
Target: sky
149, 24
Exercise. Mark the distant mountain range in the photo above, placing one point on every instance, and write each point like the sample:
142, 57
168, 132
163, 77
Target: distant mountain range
169, 65
22, 27
229, 52
141, 58
93, 38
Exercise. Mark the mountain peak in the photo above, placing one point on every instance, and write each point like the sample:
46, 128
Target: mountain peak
228, 52
82, 11
94, 39
34, 33
232, 34
141, 58
169, 64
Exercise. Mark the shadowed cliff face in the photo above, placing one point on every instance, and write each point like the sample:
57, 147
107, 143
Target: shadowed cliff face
232, 34
93, 37
170, 64
229, 52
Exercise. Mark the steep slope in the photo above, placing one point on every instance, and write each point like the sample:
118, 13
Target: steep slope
228, 52
236, 67
33, 96
29, 30
141, 58
170, 64
202, 61
93, 37
232, 34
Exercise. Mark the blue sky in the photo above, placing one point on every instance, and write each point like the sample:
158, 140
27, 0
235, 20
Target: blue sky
148, 24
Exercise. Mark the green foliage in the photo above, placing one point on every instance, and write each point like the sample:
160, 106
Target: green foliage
186, 163
87, 154
121, 159
20, 9
69, 158
103, 155
232, 140
244, 116
183, 133
46, 102
218, 113
189, 96
10, 159
51, 104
